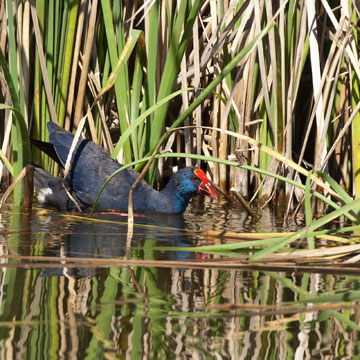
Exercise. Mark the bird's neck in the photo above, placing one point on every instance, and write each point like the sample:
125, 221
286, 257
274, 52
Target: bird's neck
174, 198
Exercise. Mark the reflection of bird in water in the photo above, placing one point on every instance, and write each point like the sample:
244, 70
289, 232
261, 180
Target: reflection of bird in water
93, 239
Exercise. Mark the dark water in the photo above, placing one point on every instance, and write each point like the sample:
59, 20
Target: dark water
90, 310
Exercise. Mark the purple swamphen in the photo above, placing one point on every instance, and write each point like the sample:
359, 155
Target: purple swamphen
90, 168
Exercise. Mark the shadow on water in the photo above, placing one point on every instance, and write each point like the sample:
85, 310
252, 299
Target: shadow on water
65, 311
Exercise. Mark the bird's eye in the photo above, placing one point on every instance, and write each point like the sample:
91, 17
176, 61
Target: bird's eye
194, 178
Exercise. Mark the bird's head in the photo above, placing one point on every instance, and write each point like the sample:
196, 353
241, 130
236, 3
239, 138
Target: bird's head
190, 180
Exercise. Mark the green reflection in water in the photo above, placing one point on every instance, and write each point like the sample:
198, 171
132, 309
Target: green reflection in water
164, 313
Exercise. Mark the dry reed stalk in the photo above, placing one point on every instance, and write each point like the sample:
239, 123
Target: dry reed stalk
6, 138
79, 106
320, 148
269, 184
196, 84
344, 130
264, 95
273, 73
282, 75
248, 113
29, 187
340, 158
261, 57
239, 98
185, 105
91, 123
3, 28
74, 67
33, 262
11, 188
329, 96
215, 114
223, 149
95, 89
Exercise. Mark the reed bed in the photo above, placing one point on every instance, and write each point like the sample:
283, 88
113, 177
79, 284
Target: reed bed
230, 79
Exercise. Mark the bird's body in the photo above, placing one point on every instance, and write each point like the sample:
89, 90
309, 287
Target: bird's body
91, 166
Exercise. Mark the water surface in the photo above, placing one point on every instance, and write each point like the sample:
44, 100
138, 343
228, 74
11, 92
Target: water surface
88, 307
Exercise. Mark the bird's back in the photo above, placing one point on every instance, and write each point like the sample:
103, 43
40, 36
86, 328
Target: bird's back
90, 167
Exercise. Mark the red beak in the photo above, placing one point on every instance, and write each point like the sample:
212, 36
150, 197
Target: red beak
205, 187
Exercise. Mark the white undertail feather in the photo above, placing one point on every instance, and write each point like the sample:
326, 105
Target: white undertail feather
43, 193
